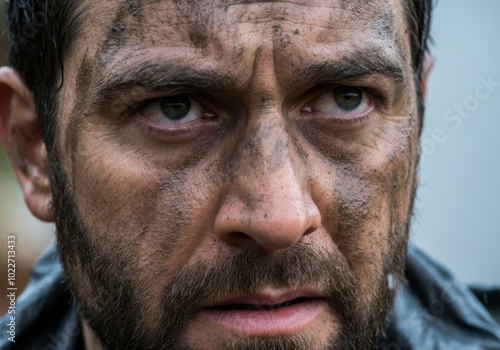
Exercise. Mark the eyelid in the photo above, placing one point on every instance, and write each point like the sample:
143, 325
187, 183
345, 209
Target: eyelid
380, 89
375, 95
174, 131
154, 112
133, 108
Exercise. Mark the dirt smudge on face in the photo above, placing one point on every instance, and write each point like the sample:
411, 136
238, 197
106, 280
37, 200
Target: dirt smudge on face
115, 34
82, 91
200, 18
134, 9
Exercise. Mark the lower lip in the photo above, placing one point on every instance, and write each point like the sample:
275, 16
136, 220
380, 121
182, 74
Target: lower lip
281, 321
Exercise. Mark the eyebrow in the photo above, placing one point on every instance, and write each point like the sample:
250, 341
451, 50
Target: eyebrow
156, 76
363, 62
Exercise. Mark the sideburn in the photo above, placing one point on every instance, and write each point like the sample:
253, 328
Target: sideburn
106, 284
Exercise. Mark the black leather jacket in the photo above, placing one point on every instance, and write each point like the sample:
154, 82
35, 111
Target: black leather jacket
433, 311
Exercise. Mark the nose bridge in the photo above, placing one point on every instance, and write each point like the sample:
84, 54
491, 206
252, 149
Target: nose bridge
268, 160
264, 151
267, 203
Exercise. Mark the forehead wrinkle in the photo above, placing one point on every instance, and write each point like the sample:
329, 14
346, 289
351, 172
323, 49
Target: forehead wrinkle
199, 22
128, 28
329, 17
115, 41
357, 8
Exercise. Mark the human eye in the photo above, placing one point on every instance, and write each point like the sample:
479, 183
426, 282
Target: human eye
343, 107
173, 111
175, 118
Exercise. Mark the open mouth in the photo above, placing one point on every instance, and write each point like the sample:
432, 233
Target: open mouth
260, 307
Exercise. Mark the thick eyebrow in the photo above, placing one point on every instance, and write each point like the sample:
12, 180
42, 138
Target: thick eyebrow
152, 76
157, 77
360, 63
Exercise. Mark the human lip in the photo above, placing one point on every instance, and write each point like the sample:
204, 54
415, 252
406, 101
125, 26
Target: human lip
268, 313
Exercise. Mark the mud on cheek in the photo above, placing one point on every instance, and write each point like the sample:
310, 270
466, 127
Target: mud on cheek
373, 216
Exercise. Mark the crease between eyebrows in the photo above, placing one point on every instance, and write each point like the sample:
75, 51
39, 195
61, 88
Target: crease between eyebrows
152, 76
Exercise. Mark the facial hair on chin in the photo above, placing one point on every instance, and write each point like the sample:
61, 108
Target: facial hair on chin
116, 312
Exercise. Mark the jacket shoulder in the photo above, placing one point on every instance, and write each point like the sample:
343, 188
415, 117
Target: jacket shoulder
434, 311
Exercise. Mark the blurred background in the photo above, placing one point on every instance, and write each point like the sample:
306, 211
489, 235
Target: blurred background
458, 207
457, 217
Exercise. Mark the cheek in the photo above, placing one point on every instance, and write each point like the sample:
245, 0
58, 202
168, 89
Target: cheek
372, 203
144, 212
133, 211
113, 190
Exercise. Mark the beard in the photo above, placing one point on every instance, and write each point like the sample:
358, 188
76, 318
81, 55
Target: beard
108, 288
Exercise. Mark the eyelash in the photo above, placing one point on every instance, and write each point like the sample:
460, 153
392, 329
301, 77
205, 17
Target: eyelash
325, 120
374, 94
169, 134
375, 98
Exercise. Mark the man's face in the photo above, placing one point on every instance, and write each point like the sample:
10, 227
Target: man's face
236, 175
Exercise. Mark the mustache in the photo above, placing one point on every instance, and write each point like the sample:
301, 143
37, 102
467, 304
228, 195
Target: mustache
195, 287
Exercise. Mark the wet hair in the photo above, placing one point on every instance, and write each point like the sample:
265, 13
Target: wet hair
40, 32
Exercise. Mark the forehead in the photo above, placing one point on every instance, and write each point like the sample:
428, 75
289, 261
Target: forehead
195, 22
232, 31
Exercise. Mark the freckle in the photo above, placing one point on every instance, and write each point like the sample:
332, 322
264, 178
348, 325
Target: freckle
296, 31
265, 216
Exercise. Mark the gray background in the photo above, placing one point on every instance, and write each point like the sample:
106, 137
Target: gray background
458, 207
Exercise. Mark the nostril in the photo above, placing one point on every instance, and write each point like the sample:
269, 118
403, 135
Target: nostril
274, 222
240, 236
310, 230
239, 239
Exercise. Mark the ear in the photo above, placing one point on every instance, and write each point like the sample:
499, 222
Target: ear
21, 137
426, 70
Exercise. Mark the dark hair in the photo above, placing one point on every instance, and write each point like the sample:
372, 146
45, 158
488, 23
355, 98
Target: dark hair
40, 31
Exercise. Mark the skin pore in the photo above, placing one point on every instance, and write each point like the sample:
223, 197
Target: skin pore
267, 189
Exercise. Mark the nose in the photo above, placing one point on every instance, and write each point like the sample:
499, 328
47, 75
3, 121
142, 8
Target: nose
268, 202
